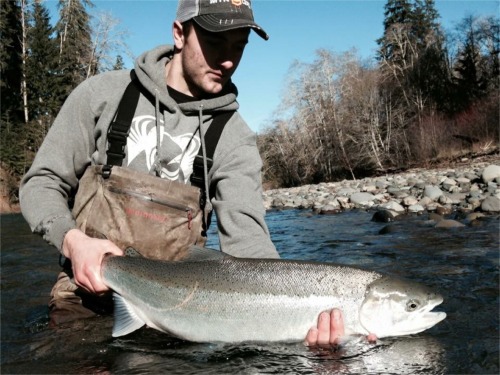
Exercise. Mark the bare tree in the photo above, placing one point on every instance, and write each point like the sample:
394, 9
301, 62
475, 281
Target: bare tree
108, 40
24, 57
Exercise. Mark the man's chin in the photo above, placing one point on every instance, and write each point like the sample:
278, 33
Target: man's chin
213, 88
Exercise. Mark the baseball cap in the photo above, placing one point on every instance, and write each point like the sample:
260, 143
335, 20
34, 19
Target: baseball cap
219, 15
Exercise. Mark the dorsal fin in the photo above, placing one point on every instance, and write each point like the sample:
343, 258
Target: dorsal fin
198, 253
131, 252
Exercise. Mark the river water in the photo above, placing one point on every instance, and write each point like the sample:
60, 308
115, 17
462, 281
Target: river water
462, 264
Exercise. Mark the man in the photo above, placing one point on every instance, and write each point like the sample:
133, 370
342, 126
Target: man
190, 85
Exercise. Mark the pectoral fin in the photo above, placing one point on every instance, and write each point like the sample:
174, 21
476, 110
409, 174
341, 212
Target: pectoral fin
126, 320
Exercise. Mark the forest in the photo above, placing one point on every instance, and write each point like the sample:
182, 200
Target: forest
429, 94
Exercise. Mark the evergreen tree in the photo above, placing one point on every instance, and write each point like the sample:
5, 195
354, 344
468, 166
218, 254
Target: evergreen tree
75, 46
11, 121
119, 65
10, 61
42, 64
425, 25
430, 74
398, 16
470, 69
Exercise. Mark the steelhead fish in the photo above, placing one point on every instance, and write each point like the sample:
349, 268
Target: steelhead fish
213, 297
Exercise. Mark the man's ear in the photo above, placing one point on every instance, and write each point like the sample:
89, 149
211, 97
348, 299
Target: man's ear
178, 35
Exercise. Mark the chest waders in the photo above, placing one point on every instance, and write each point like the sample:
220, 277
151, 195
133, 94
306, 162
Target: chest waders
159, 218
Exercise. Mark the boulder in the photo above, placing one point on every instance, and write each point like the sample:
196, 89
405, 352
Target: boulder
433, 192
491, 173
491, 204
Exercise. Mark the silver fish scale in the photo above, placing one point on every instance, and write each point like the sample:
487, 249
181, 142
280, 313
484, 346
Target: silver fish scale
241, 275
235, 299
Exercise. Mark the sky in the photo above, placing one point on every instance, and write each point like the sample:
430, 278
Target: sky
297, 28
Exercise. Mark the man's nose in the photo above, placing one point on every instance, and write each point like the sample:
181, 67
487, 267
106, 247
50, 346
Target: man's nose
227, 58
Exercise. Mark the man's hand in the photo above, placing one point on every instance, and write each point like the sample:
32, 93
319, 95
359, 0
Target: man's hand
86, 255
329, 331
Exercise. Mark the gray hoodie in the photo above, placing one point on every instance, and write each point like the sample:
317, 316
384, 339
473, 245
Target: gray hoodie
78, 138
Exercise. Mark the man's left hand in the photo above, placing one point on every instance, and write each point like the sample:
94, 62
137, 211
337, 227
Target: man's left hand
329, 331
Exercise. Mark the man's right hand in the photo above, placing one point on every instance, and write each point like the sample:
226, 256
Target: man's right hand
86, 255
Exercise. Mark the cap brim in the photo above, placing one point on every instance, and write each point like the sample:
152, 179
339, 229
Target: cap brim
217, 23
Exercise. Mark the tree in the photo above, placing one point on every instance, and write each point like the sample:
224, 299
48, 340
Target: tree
41, 69
107, 38
119, 64
75, 46
10, 86
41, 66
470, 71
10, 61
397, 27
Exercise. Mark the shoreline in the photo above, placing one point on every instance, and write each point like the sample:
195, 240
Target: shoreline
441, 189
467, 186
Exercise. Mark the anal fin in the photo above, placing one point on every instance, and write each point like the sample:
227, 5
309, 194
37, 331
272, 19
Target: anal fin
126, 320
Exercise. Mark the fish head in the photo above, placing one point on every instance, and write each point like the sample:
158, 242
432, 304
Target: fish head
397, 307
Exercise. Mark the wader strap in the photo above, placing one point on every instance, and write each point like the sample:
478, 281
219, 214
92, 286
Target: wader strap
212, 136
120, 127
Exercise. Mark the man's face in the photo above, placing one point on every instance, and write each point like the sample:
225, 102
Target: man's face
210, 59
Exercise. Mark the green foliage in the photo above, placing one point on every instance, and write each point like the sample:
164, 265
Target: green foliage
41, 65
75, 46
119, 64
476, 65
10, 61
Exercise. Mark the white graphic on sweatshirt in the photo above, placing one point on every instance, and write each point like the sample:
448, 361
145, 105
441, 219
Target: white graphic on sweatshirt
177, 153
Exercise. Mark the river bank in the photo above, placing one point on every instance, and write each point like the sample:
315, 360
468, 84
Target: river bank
468, 186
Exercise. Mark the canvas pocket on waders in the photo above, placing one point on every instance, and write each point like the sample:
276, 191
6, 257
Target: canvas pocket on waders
158, 217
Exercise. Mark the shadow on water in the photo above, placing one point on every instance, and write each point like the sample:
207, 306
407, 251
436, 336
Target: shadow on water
462, 264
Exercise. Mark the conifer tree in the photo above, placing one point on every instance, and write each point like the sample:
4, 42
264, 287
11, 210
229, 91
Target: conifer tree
119, 64
42, 64
470, 74
398, 16
12, 118
10, 60
73, 36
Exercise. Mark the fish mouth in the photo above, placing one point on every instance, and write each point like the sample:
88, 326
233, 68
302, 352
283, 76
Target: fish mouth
427, 318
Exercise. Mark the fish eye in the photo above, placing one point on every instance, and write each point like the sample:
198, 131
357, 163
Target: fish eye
412, 305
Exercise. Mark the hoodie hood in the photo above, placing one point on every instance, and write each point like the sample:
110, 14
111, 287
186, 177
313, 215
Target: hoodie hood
150, 70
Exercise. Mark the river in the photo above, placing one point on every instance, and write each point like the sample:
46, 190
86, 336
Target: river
461, 263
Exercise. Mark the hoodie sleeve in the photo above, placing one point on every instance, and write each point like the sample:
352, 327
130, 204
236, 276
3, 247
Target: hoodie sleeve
62, 158
238, 200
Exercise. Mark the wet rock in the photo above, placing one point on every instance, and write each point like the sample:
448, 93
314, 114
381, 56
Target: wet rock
444, 210
474, 216
491, 204
388, 229
384, 216
362, 199
416, 208
435, 217
447, 223
344, 202
330, 209
393, 206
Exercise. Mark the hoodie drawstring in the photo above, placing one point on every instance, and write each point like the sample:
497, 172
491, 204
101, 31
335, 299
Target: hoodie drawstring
208, 204
156, 167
